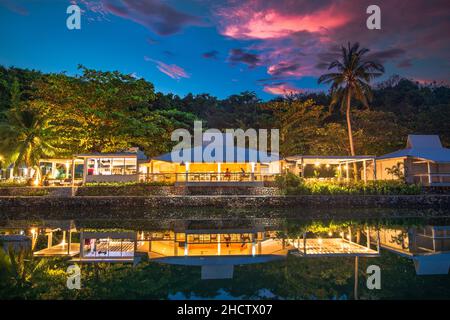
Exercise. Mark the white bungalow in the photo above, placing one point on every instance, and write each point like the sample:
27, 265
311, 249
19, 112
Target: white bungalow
424, 161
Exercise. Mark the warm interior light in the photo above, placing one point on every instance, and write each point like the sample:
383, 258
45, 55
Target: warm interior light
317, 164
330, 233
327, 165
33, 231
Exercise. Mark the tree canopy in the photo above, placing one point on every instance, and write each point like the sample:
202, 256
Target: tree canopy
107, 111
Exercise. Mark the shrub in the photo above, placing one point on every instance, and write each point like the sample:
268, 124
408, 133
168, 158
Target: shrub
291, 184
125, 184
9, 183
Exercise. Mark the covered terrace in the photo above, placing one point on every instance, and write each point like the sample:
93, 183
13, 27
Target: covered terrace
332, 167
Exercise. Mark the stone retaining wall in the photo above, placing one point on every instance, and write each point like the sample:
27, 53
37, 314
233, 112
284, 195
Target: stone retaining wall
228, 201
147, 190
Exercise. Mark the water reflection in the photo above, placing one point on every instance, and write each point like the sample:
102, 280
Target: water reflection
428, 246
218, 245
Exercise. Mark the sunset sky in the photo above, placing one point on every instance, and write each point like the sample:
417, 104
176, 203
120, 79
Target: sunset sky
225, 47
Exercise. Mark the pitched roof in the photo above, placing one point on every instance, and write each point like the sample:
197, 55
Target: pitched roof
229, 155
426, 147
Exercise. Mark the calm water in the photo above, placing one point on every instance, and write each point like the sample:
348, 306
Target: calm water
224, 258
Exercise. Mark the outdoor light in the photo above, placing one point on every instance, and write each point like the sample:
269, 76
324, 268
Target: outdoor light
317, 164
33, 231
330, 233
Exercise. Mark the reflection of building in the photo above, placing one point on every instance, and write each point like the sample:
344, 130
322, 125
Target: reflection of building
215, 246
428, 247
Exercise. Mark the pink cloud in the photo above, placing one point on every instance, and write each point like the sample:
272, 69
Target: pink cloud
172, 70
281, 89
244, 22
297, 38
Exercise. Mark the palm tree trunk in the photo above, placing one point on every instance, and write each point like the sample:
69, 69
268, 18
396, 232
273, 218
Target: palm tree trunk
349, 124
350, 133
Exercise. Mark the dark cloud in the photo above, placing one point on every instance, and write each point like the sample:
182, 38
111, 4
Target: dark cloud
406, 63
168, 53
383, 56
213, 54
240, 56
284, 68
157, 16
14, 7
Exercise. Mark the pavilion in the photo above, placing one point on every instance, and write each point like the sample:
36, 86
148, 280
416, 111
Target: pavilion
339, 167
424, 161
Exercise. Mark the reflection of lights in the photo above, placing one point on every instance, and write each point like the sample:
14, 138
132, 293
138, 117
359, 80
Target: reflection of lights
36, 182
330, 233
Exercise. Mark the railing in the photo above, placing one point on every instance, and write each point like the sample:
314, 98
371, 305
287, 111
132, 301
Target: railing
432, 178
206, 177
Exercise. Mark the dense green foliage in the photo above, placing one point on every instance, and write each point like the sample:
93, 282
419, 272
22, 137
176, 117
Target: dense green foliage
110, 111
291, 184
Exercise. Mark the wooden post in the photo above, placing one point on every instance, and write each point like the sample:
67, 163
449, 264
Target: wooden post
347, 171
85, 169
151, 166
365, 171
64, 239
81, 243
429, 173
374, 169
378, 240
304, 242
53, 169
73, 177
70, 242
303, 167
50, 239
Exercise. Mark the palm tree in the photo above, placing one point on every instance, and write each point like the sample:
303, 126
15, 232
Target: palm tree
27, 136
351, 79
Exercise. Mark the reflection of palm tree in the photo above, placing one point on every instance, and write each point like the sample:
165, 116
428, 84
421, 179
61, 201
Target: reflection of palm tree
351, 80
18, 268
26, 137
